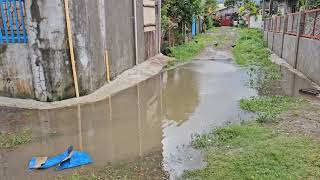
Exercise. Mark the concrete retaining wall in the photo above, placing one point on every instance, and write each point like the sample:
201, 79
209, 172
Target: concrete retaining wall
42, 70
289, 44
270, 40
307, 55
308, 60
277, 43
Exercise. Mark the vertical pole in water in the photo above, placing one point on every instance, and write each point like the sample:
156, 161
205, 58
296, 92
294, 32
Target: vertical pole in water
135, 31
139, 120
74, 70
79, 127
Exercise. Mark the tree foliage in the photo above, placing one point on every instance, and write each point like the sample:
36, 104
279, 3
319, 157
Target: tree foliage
181, 10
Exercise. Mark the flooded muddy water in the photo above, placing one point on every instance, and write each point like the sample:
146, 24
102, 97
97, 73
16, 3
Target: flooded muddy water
158, 116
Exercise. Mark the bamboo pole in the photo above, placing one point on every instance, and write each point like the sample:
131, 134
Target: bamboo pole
107, 66
73, 64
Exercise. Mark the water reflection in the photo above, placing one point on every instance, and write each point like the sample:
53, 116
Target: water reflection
159, 116
123, 127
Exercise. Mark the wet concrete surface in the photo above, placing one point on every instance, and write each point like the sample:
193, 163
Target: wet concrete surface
160, 115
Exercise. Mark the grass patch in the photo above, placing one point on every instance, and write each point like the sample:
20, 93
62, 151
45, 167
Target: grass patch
12, 140
268, 107
252, 151
250, 52
187, 51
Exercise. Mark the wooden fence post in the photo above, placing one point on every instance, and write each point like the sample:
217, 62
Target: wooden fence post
300, 30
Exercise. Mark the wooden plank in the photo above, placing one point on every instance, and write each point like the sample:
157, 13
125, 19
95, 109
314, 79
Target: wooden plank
74, 70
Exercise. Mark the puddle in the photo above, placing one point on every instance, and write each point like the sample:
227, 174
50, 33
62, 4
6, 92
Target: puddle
158, 116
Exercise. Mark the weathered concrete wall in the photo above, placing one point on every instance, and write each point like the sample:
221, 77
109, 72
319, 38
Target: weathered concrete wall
265, 35
277, 43
270, 40
288, 49
48, 50
120, 35
89, 30
151, 48
97, 26
308, 60
140, 32
15, 71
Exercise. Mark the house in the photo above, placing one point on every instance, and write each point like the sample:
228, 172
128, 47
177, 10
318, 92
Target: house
225, 15
281, 6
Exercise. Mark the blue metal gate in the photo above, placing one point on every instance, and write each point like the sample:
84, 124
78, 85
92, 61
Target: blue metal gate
194, 26
12, 25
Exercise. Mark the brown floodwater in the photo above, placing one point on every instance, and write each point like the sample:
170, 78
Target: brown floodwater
160, 115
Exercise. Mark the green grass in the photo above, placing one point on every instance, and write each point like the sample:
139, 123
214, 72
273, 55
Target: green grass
12, 140
268, 107
250, 52
252, 151
187, 51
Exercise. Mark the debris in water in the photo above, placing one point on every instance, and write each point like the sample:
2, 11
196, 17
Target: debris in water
310, 91
65, 160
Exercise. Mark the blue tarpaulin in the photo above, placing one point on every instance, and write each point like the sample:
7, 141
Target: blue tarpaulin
65, 160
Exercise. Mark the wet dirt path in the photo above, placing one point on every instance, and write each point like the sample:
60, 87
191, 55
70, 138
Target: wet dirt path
150, 124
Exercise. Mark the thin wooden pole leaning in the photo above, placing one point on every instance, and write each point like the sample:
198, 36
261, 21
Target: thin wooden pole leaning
107, 66
73, 64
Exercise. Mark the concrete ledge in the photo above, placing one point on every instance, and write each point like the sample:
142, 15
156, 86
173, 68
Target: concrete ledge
125, 80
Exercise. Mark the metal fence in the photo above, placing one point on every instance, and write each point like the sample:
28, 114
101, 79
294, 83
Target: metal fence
12, 25
312, 24
309, 21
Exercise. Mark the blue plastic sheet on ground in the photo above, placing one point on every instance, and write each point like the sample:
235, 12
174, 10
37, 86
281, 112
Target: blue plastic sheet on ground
65, 160
77, 159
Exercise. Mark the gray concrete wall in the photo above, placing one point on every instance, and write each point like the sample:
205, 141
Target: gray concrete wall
48, 50
45, 72
288, 53
265, 35
15, 71
120, 35
89, 30
277, 43
308, 60
270, 40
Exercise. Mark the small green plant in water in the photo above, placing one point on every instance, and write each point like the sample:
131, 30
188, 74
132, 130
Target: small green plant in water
269, 107
12, 140
250, 52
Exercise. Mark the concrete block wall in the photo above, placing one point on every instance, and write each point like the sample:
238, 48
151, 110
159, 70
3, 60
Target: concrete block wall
302, 54
277, 43
41, 69
288, 53
15, 71
308, 60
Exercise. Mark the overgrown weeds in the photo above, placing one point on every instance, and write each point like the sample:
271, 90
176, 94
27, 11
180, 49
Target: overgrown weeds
250, 52
12, 140
185, 52
269, 107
